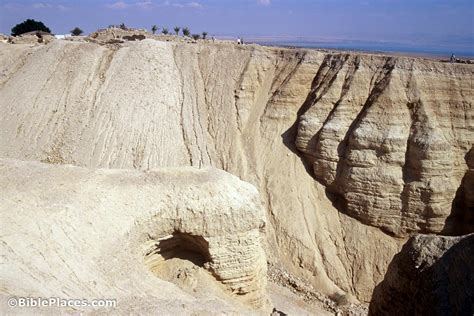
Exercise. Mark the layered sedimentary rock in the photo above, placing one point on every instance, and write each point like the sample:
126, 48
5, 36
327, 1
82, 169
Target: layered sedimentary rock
389, 136
251, 111
70, 232
432, 275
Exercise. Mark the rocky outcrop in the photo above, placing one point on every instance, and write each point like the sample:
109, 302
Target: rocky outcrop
116, 35
432, 275
252, 111
70, 232
388, 136
33, 37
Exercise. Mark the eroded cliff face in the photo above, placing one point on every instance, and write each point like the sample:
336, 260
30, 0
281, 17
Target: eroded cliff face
389, 137
384, 137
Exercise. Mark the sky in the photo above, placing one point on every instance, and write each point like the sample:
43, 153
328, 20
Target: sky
443, 23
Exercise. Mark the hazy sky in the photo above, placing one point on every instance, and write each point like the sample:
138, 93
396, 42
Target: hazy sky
443, 22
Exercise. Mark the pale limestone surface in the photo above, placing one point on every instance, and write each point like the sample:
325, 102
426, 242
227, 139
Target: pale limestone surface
71, 232
389, 136
251, 111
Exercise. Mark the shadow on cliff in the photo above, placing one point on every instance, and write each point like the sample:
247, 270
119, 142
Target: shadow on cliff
290, 135
461, 219
288, 138
441, 287
321, 84
322, 81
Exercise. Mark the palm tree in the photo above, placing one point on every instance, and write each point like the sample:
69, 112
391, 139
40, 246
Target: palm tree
154, 28
177, 29
204, 35
196, 36
186, 31
165, 31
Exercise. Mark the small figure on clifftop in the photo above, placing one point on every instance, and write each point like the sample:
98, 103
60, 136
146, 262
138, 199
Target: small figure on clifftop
453, 58
238, 41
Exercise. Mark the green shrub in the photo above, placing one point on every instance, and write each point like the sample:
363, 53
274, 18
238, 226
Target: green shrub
76, 31
29, 26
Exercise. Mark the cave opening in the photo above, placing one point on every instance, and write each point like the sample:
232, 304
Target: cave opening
183, 246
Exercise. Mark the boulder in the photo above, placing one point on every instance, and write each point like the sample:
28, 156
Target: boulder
432, 275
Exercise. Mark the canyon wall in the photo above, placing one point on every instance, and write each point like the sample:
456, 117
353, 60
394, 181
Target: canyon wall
343, 148
390, 137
